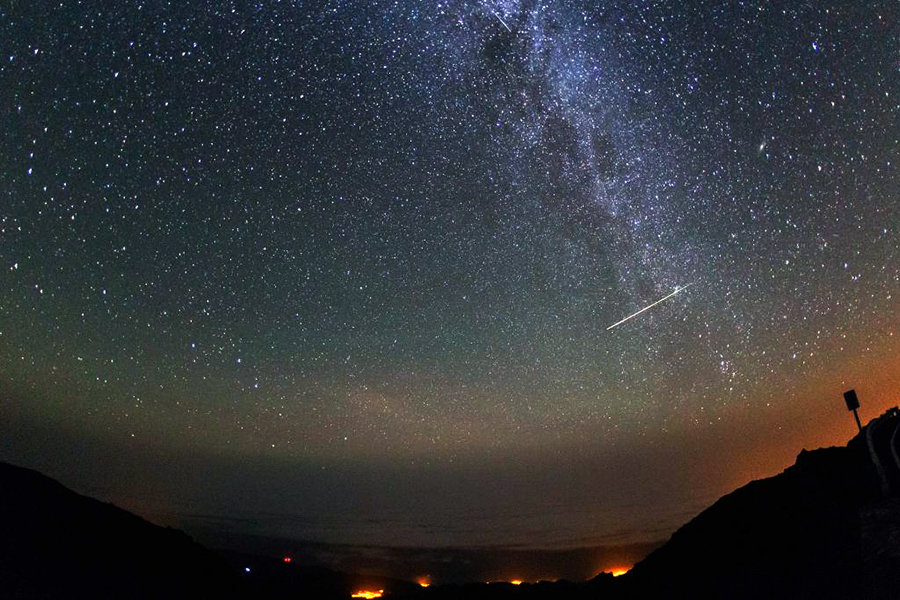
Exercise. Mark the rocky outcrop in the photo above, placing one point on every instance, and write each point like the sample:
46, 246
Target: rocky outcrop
55, 543
827, 527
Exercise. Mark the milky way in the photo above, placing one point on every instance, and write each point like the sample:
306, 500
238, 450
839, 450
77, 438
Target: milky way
398, 232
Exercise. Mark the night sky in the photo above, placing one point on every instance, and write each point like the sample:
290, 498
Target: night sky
345, 270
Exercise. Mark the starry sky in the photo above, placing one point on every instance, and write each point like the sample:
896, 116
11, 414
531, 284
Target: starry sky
354, 263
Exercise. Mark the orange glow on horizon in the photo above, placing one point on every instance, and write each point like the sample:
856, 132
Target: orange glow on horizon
615, 571
424, 581
516, 582
367, 594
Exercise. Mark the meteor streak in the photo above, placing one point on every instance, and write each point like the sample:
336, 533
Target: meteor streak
502, 21
649, 306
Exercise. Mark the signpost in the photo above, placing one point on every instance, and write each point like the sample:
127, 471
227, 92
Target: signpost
853, 404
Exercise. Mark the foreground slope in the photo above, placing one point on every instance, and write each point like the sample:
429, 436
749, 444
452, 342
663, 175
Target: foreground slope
55, 543
827, 527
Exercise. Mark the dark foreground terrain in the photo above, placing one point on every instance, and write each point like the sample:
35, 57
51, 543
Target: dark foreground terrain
827, 527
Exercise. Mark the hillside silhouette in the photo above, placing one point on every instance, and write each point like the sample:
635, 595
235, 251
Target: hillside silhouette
827, 527
55, 543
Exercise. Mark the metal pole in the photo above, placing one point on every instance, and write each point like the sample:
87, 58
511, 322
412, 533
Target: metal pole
852, 404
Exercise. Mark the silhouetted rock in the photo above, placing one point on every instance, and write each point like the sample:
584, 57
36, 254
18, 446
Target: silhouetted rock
55, 543
821, 529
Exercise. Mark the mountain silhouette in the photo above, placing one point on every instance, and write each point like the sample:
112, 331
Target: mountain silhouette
826, 527
55, 543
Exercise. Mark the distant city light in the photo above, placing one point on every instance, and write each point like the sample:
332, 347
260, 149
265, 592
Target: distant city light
424, 581
368, 594
516, 582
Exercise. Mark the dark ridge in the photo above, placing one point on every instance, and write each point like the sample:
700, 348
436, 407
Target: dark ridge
826, 527
55, 543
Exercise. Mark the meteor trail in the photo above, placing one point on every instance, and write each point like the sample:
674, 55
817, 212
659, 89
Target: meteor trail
649, 306
502, 21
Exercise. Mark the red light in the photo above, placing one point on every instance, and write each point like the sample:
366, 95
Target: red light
287, 559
